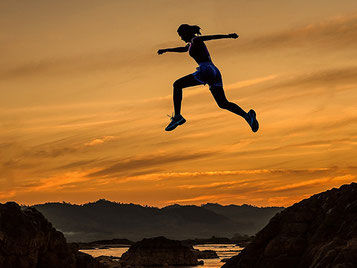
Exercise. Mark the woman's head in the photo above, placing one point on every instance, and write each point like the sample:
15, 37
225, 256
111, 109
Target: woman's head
187, 32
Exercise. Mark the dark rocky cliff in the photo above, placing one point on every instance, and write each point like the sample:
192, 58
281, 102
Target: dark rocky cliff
318, 232
28, 240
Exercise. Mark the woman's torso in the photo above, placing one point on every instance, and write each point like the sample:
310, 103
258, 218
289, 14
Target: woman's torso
199, 52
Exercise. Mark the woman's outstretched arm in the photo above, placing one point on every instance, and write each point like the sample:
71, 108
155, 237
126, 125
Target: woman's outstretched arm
176, 49
213, 37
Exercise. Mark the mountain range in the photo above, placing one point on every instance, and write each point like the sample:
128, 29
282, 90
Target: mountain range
104, 219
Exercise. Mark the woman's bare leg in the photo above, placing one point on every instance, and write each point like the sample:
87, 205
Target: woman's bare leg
183, 82
220, 97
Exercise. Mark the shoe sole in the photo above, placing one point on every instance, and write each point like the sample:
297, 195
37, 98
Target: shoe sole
181, 122
255, 124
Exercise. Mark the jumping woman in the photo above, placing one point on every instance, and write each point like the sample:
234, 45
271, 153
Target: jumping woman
207, 73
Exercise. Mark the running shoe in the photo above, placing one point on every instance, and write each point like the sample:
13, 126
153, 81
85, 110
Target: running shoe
175, 121
252, 120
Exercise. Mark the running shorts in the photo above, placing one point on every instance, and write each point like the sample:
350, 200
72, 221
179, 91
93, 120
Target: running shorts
208, 73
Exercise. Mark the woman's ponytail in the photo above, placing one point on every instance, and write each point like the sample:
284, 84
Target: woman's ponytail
196, 29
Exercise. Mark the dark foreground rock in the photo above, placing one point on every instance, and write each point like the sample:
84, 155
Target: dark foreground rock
159, 251
318, 232
109, 261
28, 240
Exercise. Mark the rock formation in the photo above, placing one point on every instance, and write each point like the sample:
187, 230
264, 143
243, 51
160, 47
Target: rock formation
28, 240
318, 232
109, 261
159, 251
206, 254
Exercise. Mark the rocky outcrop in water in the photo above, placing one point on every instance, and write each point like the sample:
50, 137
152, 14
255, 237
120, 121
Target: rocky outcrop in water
318, 232
159, 251
206, 254
28, 240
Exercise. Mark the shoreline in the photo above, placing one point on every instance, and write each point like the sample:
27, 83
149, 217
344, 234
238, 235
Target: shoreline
120, 243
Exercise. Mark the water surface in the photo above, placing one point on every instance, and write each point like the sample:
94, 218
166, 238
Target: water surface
223, 251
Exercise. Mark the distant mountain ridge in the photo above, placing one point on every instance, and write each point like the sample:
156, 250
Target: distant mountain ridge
104, 219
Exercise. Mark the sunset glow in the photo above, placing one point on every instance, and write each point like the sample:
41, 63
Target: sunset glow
84, 98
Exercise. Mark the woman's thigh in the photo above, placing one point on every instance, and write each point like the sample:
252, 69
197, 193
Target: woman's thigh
187, 81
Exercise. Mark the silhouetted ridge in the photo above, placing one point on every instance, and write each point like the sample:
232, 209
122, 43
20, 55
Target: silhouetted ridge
248, 216
193, 213
318, 232
103, 220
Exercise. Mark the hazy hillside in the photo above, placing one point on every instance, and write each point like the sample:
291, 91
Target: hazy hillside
106, 220
254, 218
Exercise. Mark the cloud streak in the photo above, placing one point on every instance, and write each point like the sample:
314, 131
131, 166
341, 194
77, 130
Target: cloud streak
304, 185
99, 141
334, 33
328, 78
89, 63
149, 161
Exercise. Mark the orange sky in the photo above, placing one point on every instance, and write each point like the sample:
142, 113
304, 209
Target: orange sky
84, 98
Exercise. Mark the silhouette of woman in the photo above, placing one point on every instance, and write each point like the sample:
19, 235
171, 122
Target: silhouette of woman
207, 73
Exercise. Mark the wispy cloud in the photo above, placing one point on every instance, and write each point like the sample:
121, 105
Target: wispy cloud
337, 32
6, 195
53, 183
274, 148
325, 77
213, 185
201, 198
149, 161
79, 164
262, 186
261, 189
106, 61
98, 141
311, 183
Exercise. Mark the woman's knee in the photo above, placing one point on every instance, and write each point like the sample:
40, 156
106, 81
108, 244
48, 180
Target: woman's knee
177, 84
223, 104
